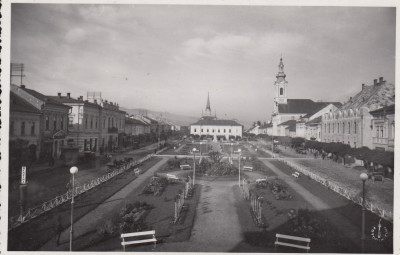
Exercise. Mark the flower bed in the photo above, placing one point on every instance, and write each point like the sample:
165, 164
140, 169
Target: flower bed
130, 219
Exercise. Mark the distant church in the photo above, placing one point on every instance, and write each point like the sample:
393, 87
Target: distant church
209, 126
286, 110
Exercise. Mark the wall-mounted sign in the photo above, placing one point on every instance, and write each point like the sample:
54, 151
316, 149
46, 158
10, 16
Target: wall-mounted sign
23, 175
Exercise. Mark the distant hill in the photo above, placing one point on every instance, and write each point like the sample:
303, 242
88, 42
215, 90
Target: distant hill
176, 119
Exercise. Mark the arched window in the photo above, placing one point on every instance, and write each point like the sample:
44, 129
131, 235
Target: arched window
281, 91
349, 127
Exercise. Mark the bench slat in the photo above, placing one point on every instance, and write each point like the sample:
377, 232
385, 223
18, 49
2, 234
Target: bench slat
152, 232
293, 238
293, 245
139, 241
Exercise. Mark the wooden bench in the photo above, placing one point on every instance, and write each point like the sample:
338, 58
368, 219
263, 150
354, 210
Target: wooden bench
247, 168
185, 167
293, 238
137, 171
172, 178
151, 233
296, 174
377, 177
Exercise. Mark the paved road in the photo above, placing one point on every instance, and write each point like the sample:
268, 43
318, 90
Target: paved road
216, 227
347, 226
89, 221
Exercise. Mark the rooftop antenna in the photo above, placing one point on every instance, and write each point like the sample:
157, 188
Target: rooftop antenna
17, 70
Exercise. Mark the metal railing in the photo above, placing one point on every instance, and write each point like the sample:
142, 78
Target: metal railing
343, 191
34, 212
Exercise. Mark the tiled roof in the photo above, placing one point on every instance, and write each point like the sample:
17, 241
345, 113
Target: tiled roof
315, 121
384, 110
135, 121
306, 106
214, 122
18, 104
68, 100
288, 122
373, 97
47, 99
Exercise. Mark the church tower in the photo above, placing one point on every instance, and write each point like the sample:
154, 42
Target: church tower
280, 88
207, 113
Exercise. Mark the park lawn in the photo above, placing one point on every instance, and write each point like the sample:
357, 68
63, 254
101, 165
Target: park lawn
346, 209
34, 234
46, 185
381, 193
159, 219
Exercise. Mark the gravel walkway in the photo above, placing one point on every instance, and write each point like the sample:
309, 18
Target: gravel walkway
88, 222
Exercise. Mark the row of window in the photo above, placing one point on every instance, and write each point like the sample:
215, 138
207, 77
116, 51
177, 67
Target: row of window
219, 130
91, 122
340, 128
58, 122
24, 128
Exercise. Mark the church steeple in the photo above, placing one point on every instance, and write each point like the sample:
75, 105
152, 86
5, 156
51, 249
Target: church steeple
207, 113
280, 88
281, 74
208, 107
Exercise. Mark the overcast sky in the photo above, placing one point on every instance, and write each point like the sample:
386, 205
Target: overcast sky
167, 57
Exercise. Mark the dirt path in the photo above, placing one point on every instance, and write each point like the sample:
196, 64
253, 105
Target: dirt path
347, 226
89, 221
216, 227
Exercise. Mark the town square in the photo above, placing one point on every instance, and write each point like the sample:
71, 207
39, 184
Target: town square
199, 128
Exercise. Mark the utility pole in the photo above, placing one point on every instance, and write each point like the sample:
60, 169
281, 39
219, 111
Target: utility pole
17, 70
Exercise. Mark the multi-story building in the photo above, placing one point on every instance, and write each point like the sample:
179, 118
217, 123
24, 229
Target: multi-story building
25, 121
383, 128
53, 128
83, 123
303, 124
352, 123
313, 129
286, 109
112, 126
210, 126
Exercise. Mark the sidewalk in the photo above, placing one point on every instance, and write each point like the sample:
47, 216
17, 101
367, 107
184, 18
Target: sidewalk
89, 222
381, 193
46, 185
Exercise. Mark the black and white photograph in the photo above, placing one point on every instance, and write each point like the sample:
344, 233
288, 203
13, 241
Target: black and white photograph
198, 127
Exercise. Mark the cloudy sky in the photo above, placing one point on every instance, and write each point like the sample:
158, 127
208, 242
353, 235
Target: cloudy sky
167, 57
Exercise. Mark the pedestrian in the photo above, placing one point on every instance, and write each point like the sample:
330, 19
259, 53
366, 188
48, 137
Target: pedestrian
59, 229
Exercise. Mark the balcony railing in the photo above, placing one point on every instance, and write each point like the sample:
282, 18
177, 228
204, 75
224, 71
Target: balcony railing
380, 140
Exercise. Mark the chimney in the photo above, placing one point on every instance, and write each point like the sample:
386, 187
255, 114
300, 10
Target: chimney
380, 80
362, 86
59, 95
23, 86
375, 82
69, 95
95, 101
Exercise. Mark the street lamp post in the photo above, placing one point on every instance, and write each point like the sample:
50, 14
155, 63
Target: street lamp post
73, 170
363, 177
194, 164
239, 150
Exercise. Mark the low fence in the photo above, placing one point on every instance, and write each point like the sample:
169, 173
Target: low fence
256, 209
34, 212
180, 200
350, 195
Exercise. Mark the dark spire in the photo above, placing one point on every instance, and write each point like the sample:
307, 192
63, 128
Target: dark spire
281, 74
208, 107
